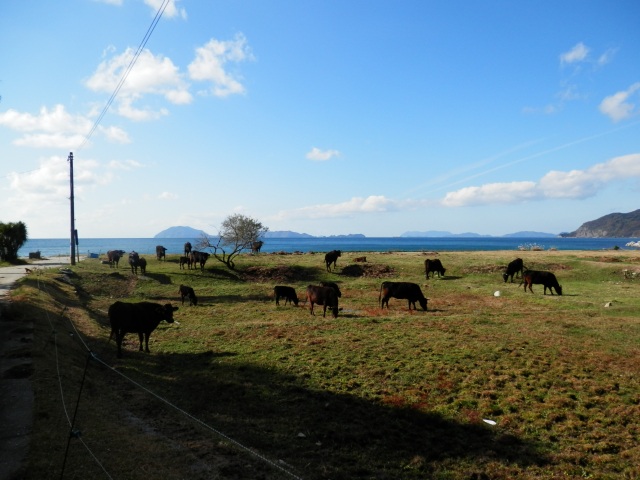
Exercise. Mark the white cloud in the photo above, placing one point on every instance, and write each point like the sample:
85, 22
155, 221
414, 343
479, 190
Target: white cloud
211, 59
617, 107
356, 205
54, 128
168, 196
577, 54
151, 75
575, 184
322, 155
171, 9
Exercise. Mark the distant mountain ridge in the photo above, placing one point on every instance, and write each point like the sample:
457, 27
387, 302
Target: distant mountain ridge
621, 225
180, 232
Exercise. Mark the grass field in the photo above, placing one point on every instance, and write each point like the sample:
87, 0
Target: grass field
480, 386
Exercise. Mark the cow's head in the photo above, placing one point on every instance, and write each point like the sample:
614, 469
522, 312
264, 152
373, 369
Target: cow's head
423, 303
505, 276
167, 312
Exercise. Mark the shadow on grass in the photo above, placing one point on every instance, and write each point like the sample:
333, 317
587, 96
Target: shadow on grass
348, 437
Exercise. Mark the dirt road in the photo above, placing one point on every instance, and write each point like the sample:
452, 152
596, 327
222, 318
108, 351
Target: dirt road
16, 393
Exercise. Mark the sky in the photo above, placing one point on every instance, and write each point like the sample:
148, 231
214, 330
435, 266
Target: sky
325, 117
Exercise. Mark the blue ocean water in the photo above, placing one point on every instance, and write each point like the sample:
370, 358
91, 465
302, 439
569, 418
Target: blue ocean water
61, 247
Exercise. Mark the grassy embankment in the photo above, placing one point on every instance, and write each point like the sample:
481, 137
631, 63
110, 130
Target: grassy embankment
372, 394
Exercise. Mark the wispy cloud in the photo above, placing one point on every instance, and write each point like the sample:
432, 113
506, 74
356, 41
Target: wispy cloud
618, 106
322, 155
172, 10
211, 60
575, 184
577, 54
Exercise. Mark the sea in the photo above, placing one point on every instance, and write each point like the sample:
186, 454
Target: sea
92, 247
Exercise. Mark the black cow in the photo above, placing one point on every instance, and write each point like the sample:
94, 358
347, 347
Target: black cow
256, 246
515, 267
134, 262
114, 256
325, 296
142, 263
187, 249
548, 279
188, 292
402, 290
161, 252
185, 261
434, 266
141, 318
288, 293
333, 285
198, 258
332, 257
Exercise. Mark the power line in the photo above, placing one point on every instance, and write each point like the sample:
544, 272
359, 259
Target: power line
143, 43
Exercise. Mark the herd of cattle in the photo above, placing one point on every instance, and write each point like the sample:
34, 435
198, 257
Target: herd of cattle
143, 317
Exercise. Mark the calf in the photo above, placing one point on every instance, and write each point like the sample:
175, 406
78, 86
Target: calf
198, 258
325, 296
288, 293
185, 261
142, 263
114, 256
360, 259
548, 279
141, 318
188, 292
515, 267
134, 262
402, 290
433, 267
332, 257
161, 252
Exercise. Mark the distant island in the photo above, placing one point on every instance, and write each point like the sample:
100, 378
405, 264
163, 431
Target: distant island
615, 225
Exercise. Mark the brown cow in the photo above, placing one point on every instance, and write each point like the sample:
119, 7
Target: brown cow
332, 257
548, 279
114, 256
402, 290
325, 296
185, 261
161, 252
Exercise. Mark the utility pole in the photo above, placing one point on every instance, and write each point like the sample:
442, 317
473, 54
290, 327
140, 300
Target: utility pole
73, 221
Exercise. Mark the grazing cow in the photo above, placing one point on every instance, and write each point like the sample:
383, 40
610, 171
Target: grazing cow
141, 318
161, 252
114, 256
402, 290
187, 249
332, 257
360, 259
288, 293
188, 292
185, 261
198, 258
142, 263
325, 296
134, 262
548, 279
515, 267
256, 246
433, 267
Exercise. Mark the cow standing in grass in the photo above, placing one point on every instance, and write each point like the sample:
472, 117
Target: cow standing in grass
141, 318
198, 258
332, 257
161, 252
325, 296
288, 293
402, 290
187, 249
516, 267
188, 292
433, 267
548, 279
114, 256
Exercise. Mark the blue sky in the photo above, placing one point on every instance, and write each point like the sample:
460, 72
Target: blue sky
323, 117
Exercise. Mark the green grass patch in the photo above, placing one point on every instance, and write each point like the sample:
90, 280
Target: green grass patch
381, 394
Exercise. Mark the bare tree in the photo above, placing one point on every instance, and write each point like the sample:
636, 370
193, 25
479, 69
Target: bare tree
237, 233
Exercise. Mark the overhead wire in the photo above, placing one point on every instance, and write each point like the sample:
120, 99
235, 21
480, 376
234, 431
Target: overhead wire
127, 71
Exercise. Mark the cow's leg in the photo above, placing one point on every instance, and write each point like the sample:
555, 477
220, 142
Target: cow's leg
324, 310
146, 342
311, 309
141, 338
